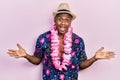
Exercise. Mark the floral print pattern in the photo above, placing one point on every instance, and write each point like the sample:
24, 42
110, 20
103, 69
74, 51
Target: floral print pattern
43, 51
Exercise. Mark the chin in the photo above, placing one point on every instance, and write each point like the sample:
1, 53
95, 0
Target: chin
62, 33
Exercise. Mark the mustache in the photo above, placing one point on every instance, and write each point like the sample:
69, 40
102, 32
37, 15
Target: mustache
62, 26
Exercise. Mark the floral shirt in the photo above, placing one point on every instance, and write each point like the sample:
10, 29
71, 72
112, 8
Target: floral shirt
43, 51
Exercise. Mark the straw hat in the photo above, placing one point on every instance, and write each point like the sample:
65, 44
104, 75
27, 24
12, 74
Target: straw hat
64, 8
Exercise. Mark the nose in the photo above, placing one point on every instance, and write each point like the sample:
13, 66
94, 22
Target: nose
63, 22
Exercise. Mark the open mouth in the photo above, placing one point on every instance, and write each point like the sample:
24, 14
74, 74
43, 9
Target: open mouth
62, 29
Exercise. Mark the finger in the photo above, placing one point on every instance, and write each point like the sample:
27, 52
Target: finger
11, 50
110, 57
110, 53
16, 56
113, 53
99, 50
12, 55
107, 57
19, 46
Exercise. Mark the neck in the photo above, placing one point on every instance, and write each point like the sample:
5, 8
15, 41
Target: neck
61, 36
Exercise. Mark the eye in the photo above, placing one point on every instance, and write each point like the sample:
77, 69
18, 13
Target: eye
59, 18
68, 20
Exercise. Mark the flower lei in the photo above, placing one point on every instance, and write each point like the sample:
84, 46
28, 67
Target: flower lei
55, 48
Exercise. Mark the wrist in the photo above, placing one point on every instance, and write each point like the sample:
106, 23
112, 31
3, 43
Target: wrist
25, 56
95, 58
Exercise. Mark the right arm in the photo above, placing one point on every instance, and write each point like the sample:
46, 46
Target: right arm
22, 53
33, 59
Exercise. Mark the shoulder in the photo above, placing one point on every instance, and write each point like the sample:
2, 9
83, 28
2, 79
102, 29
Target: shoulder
75, 36
44, 39
45, 35
78, 42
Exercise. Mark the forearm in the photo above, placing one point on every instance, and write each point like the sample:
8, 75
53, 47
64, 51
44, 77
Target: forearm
87, 63
33, 59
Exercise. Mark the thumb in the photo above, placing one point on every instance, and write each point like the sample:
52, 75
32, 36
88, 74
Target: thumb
101, 49
19, 46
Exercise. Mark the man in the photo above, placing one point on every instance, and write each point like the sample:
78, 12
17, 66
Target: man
62, 51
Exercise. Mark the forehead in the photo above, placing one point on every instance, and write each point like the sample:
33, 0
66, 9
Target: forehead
64, 15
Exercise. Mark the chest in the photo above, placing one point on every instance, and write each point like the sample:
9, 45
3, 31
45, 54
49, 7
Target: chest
61, 47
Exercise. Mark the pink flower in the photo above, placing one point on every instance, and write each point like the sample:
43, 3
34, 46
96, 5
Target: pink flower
47, 36
37, 51
45, 56
44, 61
42, 40
73, 66
72, 54
48, 72
77, 41
62, 77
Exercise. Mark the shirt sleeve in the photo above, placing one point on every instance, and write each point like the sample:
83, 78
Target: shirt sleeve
38, 48
81, 53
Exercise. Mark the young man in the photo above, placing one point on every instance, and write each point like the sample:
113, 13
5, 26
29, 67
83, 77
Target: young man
62, 51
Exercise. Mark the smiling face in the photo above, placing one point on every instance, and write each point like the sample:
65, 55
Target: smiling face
63, 22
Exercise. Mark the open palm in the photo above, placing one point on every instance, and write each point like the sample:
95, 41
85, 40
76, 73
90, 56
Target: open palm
104, 55
17, 53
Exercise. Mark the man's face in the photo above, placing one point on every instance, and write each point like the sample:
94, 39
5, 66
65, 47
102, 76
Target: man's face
63, 22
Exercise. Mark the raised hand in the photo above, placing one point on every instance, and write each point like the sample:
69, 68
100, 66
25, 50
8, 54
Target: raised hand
17, 53
104, 55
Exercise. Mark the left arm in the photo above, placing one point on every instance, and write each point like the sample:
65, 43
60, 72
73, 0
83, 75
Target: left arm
98, 55
87, 63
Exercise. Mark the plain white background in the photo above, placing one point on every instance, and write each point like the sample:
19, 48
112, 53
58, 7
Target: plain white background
22, 21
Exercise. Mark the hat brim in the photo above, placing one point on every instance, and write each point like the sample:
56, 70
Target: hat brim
73, 15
